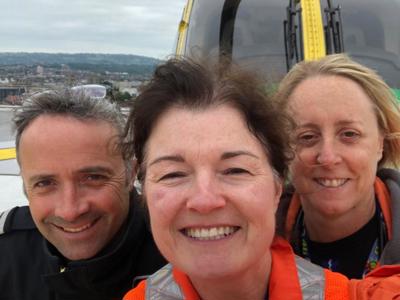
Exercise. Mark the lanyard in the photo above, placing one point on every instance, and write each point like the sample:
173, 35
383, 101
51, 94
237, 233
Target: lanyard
373, 257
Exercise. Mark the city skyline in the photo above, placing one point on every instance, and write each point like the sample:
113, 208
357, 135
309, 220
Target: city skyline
140, 27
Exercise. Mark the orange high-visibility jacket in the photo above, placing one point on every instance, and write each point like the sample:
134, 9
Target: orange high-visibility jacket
381, 192
291, 278
383, 283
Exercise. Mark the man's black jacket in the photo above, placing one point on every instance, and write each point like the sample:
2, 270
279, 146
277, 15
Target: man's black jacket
31, 268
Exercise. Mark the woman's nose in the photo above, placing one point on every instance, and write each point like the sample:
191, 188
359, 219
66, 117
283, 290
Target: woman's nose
328, 153
205, 195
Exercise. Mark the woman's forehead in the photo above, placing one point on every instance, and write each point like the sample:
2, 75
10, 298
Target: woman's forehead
184, 130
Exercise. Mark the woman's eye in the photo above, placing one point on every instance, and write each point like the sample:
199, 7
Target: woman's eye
235, 171
306, 139
172, 175
350, 134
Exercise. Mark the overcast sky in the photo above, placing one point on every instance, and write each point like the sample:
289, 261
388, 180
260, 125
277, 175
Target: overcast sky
142, 27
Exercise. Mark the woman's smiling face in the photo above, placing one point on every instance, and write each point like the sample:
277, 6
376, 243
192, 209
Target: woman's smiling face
211, 192
338, 146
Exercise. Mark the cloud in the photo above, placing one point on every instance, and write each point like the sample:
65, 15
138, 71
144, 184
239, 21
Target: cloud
121, 26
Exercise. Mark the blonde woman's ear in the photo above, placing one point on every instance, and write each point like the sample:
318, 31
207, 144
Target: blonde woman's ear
380, 153
381, 146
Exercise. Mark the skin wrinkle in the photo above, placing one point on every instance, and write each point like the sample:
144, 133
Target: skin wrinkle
114, 184
84, 199
226, 183
337, 138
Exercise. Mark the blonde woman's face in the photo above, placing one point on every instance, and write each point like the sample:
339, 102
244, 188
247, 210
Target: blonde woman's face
338, 145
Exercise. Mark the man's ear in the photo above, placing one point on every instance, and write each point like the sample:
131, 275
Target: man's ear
24, 190
132, 172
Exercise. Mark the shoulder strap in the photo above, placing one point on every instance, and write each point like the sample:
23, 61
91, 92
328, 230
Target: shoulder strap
383, 195
292, 212
391, 252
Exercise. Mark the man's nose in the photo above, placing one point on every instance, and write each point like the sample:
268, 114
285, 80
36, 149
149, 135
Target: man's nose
71, 205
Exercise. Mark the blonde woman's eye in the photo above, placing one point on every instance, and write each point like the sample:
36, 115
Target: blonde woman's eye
307, 139
350, 135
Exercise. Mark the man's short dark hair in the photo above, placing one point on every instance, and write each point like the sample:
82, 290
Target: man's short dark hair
69, 104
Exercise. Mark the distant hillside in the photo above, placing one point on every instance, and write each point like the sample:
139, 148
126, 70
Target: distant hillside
12, 58
133, 64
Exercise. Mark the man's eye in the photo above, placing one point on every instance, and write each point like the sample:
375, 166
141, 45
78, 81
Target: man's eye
42, 184
235, 171
42, 187
95, 177
172, 175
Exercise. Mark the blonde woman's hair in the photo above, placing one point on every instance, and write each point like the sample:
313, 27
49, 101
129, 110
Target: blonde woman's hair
382, 97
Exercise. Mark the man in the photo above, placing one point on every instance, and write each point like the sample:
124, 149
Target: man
84, 235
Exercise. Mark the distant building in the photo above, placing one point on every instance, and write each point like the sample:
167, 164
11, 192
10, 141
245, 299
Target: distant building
132, 91
7, 92
4, 81
130, 87
13, 100
39, 70
65, 68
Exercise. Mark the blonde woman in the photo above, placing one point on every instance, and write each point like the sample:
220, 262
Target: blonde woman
344, 211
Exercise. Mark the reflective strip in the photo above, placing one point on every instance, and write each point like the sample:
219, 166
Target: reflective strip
7, 153
161, 285
3, 218
312, 279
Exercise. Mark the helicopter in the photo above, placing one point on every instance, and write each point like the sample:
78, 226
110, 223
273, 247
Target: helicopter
270, 36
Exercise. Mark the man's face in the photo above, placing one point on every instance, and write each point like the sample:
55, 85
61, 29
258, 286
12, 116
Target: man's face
76, 183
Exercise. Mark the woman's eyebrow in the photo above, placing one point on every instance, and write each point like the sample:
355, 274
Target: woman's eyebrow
231, 154
175, 158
